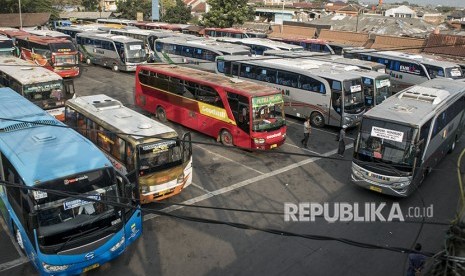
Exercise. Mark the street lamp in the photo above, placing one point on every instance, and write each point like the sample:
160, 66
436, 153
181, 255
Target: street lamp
282, 15
20, 18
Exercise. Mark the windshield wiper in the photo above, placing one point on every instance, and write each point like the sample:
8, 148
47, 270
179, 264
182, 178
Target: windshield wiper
384, 165
70, 238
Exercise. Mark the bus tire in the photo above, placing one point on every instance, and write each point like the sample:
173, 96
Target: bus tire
115, 68
18, 237
226, 138
452, 146
317, 119
88, 61
161, 114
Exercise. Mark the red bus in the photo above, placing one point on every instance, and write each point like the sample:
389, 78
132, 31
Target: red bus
56, 54
235, 112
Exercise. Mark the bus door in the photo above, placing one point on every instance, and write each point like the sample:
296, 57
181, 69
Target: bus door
68, 86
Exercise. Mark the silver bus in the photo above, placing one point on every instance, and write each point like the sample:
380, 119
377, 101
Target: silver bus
403, 139
199, 53
330, 96
258, 46
114, 51
409, 69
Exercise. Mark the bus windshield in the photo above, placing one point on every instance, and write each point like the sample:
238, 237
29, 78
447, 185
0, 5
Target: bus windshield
65, 59
135, 52
383, 89
353, 96
158, 156
386, 142
266, 114
61, 217
62, 47
44, 92
6, 47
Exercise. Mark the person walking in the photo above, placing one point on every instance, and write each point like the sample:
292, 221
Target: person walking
416, 262
342, 144
307, 130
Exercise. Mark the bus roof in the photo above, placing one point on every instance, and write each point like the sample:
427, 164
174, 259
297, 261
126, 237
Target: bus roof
186, 73
106, 36
42, 152
49, 33
25, 72
13, 33
407, 57
44, 39
415, 104
109, 110
208, 44
277, 45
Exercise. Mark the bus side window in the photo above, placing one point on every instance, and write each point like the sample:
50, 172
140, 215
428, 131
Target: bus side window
81, 124
129, 157
176, 85
71, 117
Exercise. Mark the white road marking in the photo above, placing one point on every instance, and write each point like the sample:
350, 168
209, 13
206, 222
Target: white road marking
230, 160
200, 187
7, 231
14, 263
242, 184
305, 149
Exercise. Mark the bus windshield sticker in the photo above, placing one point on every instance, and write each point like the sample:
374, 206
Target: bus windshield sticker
77, 179
267, 100
387, 134
79, 202
383, 83
42, 87
39, 195
158, 147
455, 72
135, 47
355, 88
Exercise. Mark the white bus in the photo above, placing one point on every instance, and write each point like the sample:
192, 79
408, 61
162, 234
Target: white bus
39, 85
115, 51
148, 152
199, 53
409, 69
126, 22
258, 46
330, 96
73, 30
404, 138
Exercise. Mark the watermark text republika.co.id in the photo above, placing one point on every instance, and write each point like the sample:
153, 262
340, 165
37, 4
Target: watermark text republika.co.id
357, 212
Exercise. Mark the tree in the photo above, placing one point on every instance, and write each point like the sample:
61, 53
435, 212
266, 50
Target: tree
130, 8
90, 5
180, 13
29, 6
226, 13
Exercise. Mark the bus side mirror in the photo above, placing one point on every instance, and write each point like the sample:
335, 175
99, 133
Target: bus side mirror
33, 221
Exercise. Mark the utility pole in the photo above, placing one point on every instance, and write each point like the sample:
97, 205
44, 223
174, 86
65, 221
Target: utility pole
20, 17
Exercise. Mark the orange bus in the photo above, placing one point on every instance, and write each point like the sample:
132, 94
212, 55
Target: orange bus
56, 54
235, 112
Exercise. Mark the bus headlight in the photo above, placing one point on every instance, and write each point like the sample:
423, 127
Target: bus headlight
284, 136
400, 185
144, 189
54, 268
180, 178
118, 245
348, 121
259, 140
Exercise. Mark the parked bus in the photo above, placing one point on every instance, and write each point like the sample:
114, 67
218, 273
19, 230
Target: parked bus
363, 64
403, 139
226, 32
310, 44
73, 30
408, 69
259, 45
198, 53
56, 54
235, 112
149, 153
42, 87
6, 46
60, 23
330, 96
115, 51
59, 210
126, 22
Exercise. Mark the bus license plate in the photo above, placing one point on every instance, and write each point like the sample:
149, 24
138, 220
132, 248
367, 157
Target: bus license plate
168, 191
90, 267
273, 146
376, 189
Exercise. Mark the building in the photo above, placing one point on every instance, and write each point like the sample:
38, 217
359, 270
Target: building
401, 11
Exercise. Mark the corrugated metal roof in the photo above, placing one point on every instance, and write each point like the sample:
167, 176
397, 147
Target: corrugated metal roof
435, 40
406, 44
347, 38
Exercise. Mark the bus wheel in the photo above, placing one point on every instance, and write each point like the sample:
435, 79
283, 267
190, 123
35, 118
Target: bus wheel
226, 138
18, 237
317, 119
88, 61
452, 146
115, 68
161, 114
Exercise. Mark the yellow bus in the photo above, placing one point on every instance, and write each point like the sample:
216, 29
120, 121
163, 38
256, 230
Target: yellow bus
149, 153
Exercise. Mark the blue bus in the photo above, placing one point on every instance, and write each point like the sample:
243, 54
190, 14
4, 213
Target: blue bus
74, 230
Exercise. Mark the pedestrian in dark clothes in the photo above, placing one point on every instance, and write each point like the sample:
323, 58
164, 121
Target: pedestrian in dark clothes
416, 262
342, 144
307, 131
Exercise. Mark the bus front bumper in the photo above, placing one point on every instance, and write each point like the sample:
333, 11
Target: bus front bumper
394, 186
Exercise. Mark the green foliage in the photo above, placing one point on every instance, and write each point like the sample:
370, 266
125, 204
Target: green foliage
445, 9
90, 5
28, 6
130, 8
226, 13
180, 13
